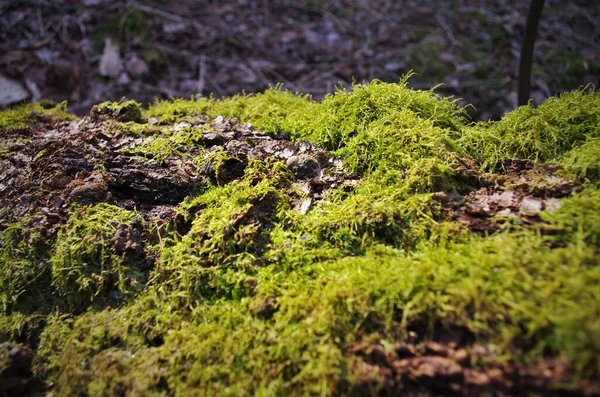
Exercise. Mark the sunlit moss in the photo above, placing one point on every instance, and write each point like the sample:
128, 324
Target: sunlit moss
542, 134
25, 116
184, 142
127, 111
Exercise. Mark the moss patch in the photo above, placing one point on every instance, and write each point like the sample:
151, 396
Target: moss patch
89, 263
542, 134
270, 282
25, 116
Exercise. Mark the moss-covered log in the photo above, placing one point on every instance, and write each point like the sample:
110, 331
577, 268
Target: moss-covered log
373, 243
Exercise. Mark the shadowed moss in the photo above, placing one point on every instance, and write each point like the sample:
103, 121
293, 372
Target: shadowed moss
24, 273
25, 116
86, 265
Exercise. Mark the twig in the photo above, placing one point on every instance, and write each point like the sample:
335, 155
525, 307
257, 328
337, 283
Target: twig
446, 29
160, 13
40, 21
201, 74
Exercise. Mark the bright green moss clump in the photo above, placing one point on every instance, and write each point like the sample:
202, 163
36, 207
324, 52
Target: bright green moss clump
25, 116
543, 134
121, 111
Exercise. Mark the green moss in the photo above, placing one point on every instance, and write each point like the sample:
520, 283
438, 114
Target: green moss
185, 142
169, 112
504, 289
122, 111
23, 117
256, 297
373, 213
582, 163
24, 273
230, 232
21, 328
579, 217
395, 142
85, 263
273, 111
543, 134
347, 114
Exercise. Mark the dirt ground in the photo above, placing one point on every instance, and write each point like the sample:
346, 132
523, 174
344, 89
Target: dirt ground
88, 51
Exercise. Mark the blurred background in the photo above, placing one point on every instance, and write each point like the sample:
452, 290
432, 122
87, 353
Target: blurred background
88, 51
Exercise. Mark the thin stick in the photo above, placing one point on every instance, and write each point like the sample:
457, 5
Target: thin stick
533, 18
201, 74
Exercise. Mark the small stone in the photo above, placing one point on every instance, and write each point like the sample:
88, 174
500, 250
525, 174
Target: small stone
442, 197
123, 79
136, 67
476, 378
304, 166
505, 199
89, 192
461, 356
127, 239
434, 348
552, 205
531, 206
110, 63
11, 92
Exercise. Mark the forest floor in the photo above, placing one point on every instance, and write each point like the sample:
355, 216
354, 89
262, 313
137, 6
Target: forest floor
59, 50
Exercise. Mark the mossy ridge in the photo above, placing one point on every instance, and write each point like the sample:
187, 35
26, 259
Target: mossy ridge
23, 117
330, 122
542, 134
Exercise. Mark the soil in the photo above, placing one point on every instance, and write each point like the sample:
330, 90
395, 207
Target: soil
88, 51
